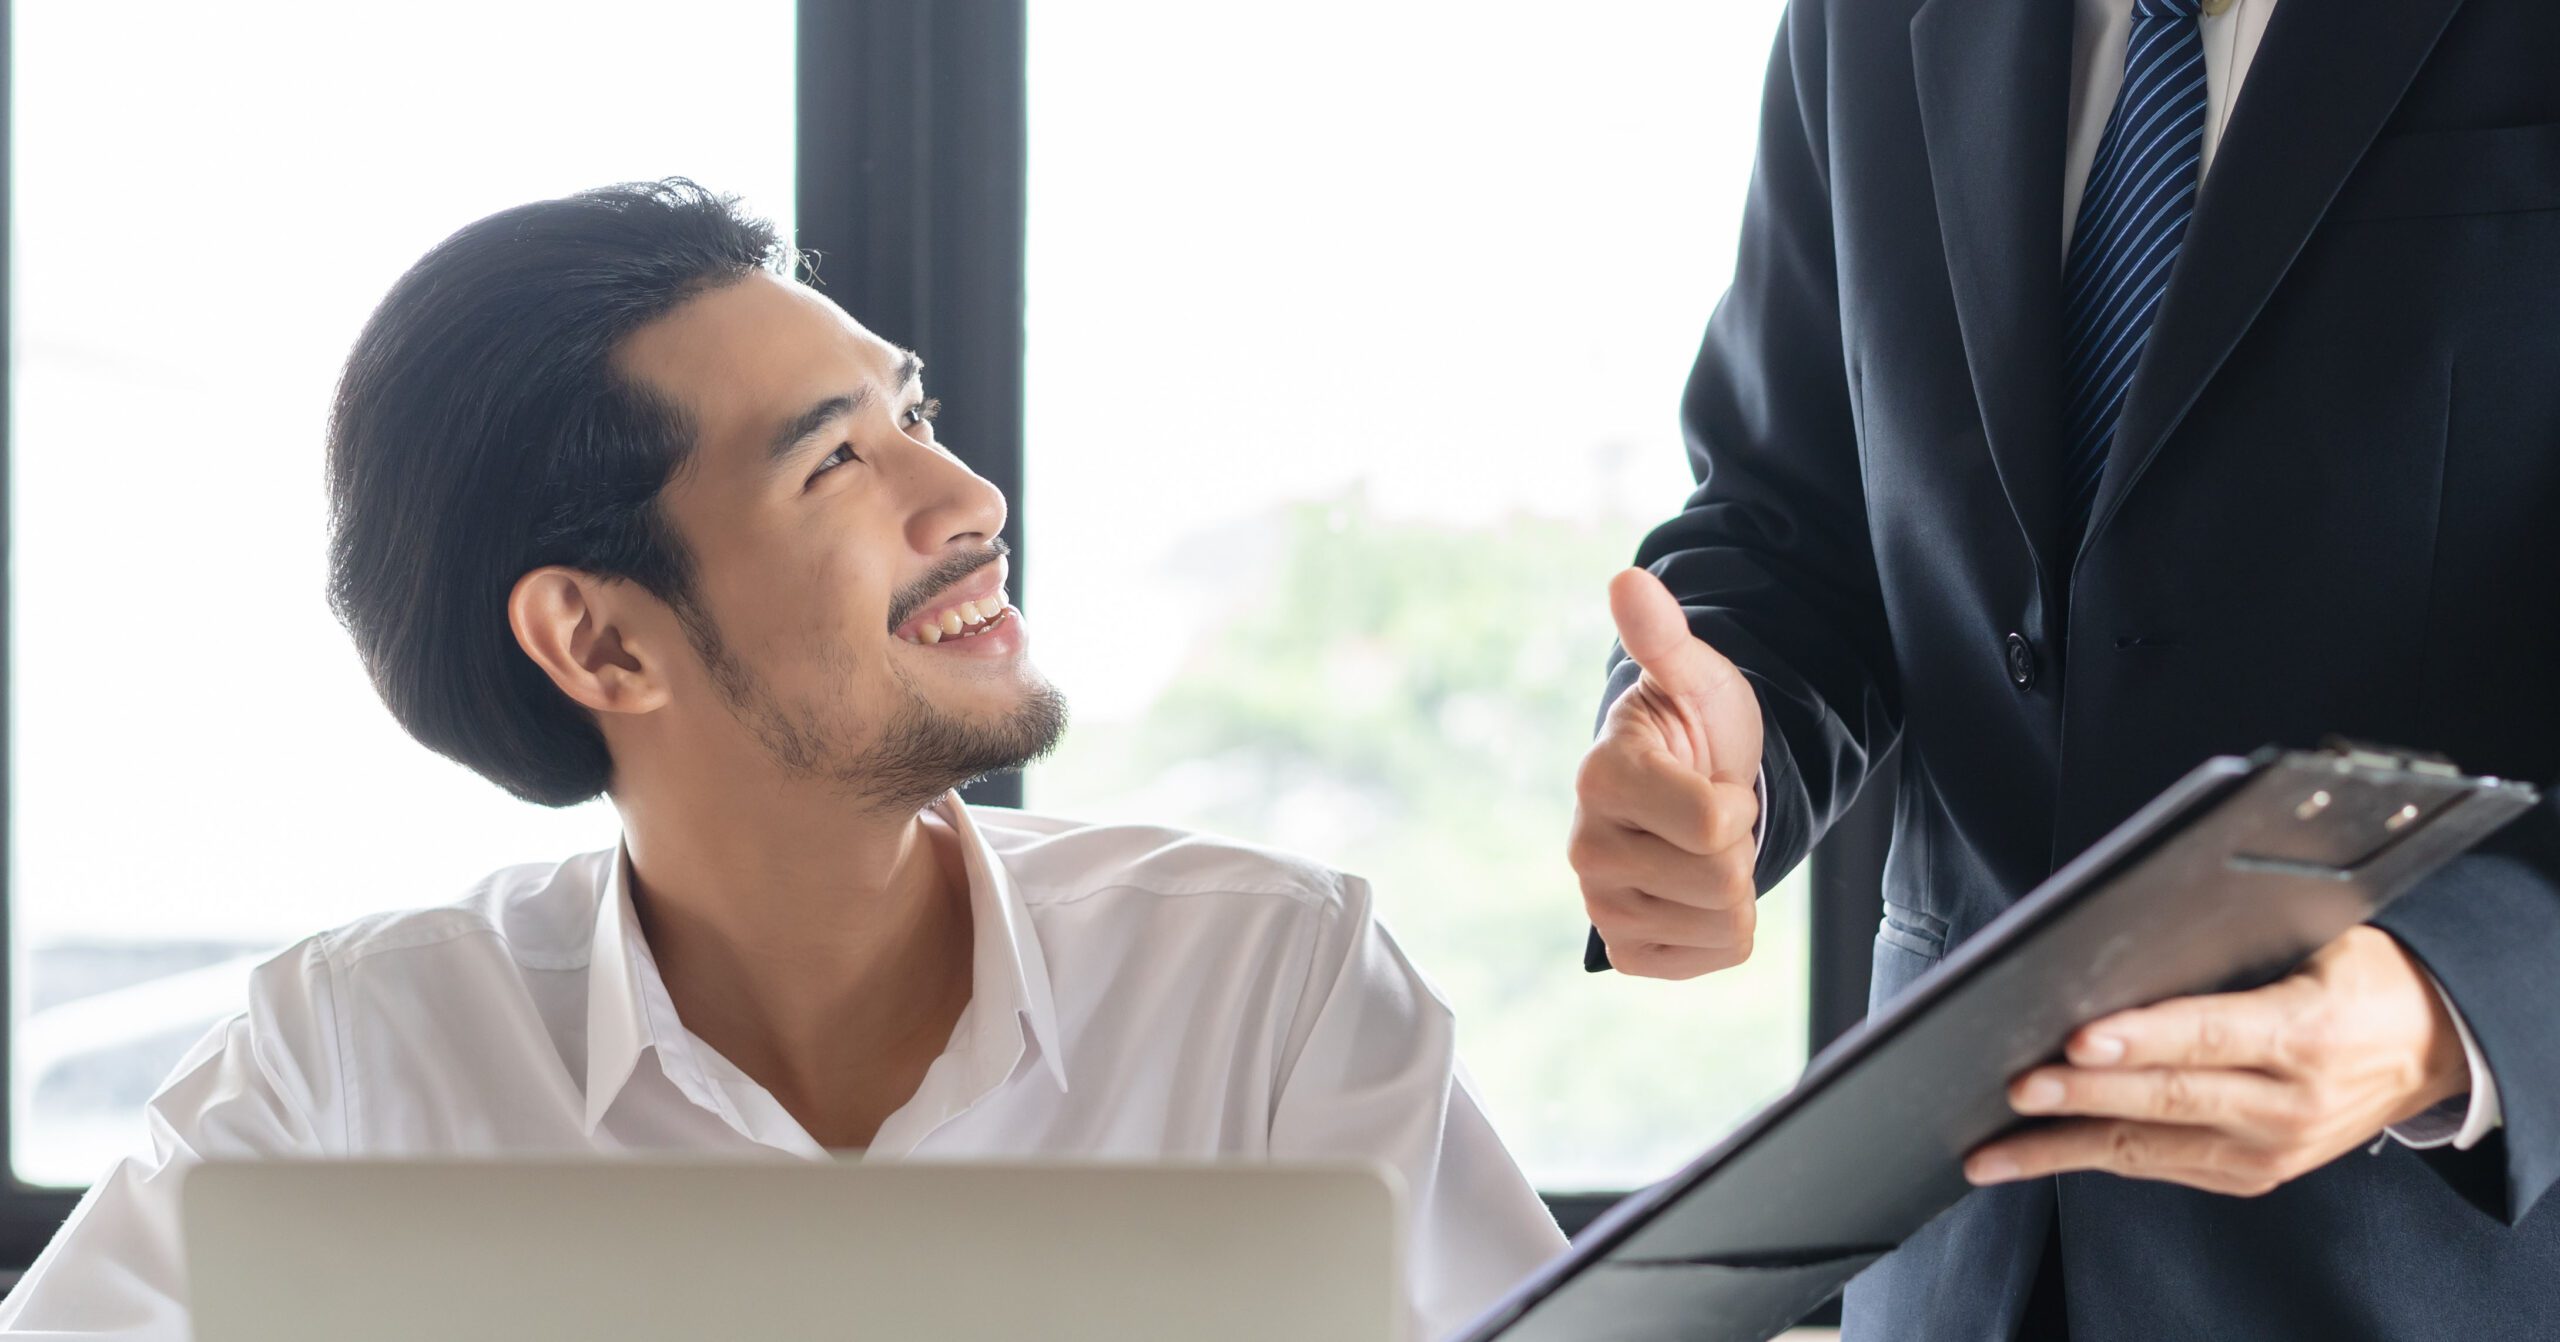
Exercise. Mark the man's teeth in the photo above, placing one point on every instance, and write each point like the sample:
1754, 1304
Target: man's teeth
953, 622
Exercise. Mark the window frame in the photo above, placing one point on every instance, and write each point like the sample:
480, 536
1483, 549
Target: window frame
911, 176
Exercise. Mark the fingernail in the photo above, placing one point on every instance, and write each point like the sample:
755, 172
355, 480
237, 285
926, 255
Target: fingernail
1990, 1169
2102, 1049
2039, 1095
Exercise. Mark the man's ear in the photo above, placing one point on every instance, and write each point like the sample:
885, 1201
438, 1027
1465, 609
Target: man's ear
579, 629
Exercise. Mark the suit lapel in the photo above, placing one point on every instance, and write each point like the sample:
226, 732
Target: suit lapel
2325, 79
1994, 82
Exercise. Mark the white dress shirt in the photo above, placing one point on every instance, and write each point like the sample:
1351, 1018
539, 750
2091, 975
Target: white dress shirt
1138, 993
2231, 38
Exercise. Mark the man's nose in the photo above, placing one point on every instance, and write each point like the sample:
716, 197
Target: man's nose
952, 503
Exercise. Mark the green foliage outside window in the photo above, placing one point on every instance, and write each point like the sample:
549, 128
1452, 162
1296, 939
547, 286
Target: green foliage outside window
1408, 700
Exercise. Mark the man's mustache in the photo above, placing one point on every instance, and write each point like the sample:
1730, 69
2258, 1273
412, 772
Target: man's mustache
941, 578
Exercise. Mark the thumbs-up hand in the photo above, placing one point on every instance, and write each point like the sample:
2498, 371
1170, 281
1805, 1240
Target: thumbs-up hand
1664, 802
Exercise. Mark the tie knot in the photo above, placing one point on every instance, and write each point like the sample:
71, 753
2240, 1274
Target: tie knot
2166, 9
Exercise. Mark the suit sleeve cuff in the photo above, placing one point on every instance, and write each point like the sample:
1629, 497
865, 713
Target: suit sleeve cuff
2459, 1123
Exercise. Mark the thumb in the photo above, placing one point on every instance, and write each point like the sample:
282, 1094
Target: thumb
1655, 633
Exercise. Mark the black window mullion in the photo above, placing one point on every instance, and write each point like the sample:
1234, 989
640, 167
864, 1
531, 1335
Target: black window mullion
1847, 883
911, 190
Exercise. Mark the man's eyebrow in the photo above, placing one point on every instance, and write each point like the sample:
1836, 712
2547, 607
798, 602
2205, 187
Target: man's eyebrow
800, 428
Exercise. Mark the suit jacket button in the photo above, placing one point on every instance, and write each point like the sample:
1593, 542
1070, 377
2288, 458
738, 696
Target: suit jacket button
2022, 661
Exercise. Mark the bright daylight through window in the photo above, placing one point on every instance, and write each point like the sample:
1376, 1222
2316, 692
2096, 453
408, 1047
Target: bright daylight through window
1356, 341
1357, 334
201, 772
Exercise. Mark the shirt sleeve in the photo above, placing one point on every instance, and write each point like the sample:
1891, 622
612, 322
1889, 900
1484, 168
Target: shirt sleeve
251, 1088
1371, 1072
1759, 807
2459, 1123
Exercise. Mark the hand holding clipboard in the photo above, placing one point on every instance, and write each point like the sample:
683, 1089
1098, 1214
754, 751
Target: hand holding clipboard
2224, 883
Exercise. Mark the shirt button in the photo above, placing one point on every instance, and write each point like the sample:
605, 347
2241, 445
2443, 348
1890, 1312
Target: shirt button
2022, 661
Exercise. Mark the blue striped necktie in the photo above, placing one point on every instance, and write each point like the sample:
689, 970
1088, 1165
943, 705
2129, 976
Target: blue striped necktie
2133, 214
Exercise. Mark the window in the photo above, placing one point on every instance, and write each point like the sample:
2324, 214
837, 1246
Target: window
1355, 339
203, 217
1355, 342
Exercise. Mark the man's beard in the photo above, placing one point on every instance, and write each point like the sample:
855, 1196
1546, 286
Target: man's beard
922, 753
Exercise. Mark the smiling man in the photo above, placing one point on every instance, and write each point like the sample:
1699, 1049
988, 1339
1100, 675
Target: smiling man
620, 507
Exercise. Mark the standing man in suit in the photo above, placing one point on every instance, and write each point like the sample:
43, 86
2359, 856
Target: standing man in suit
2106, 385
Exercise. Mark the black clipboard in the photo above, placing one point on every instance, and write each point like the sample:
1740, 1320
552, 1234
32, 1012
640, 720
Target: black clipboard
2226, 881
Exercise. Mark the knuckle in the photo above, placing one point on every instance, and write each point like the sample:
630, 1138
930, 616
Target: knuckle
1617, 912
1711, 825
1613, 768
1577, 850
2213, 1034
2127, 1148
1729, 874
2178, 1095
2304, 1043
1595, 780
2294, 1113
1585, 778
1589, 852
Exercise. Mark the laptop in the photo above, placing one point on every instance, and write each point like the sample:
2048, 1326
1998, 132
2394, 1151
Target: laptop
639, 1250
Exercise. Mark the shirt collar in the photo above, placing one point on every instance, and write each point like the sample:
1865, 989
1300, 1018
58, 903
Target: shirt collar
1010, 974
1010, 1005
623, 993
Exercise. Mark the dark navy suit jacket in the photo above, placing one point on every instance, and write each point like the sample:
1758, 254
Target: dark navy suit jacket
2332, 506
